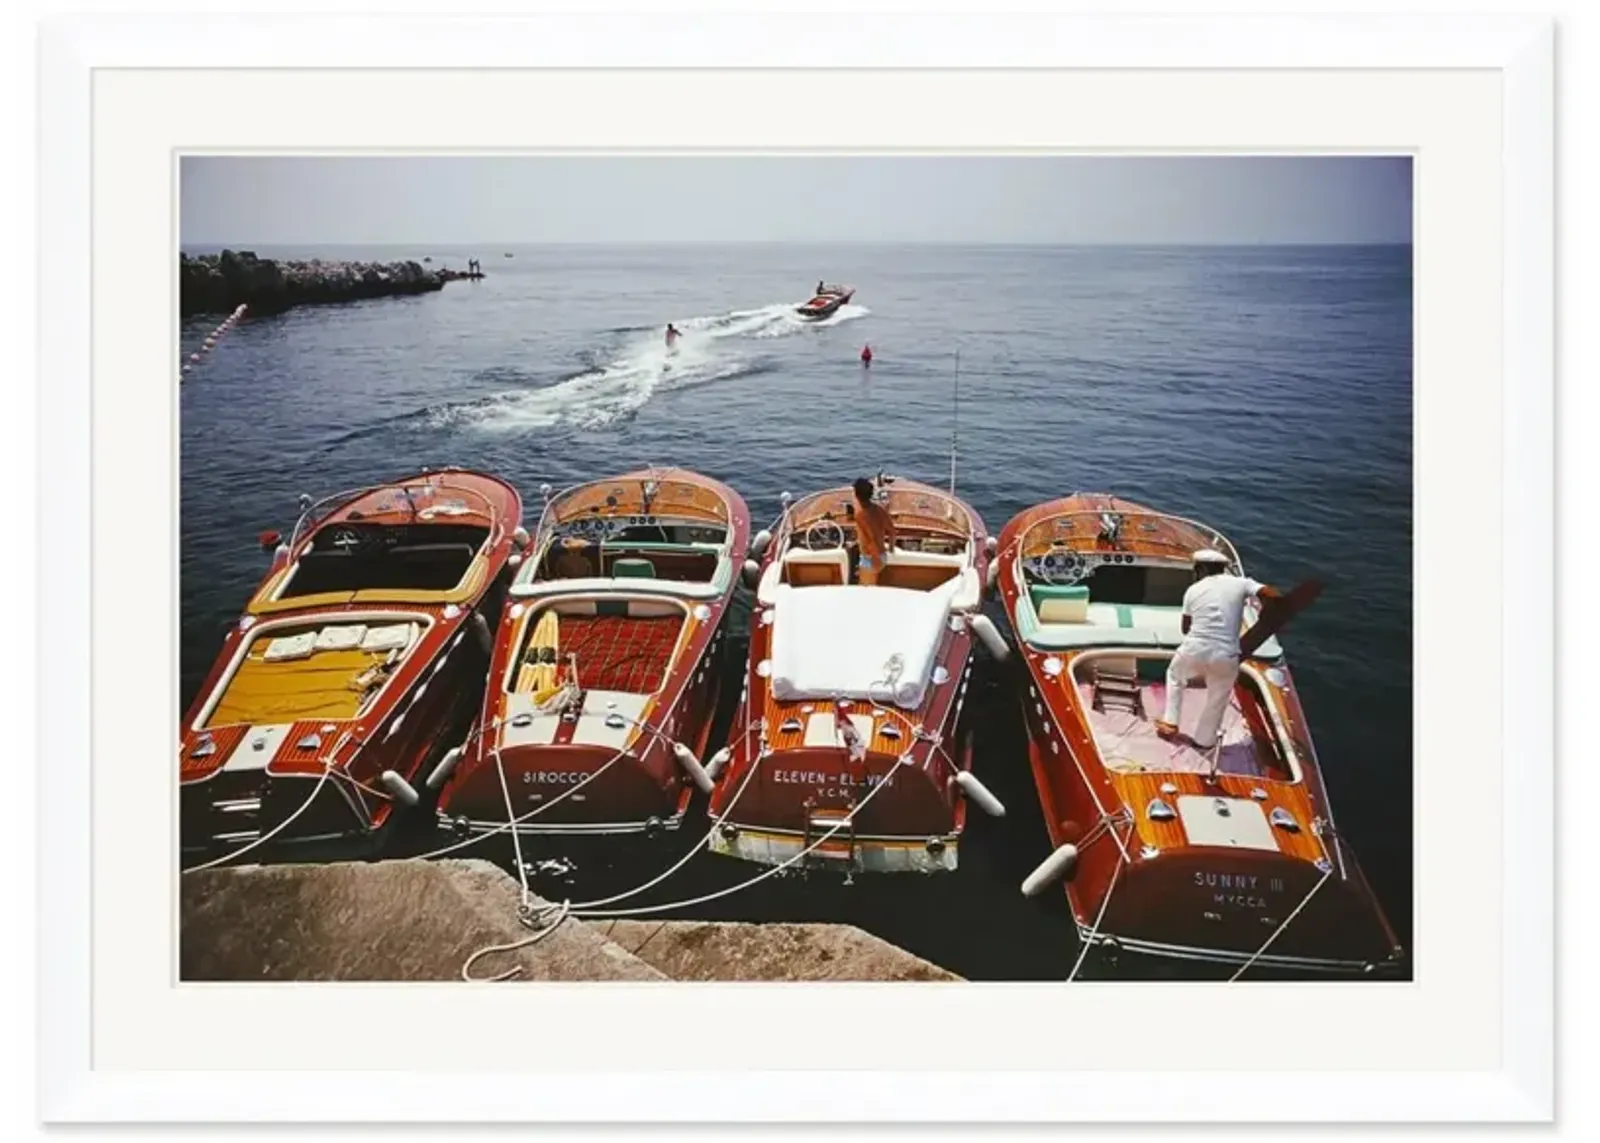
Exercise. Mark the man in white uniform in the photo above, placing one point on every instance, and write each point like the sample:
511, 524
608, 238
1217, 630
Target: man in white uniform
1213, 609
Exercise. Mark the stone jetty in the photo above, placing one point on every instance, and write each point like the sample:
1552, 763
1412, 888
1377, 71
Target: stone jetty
421, 920
219, 283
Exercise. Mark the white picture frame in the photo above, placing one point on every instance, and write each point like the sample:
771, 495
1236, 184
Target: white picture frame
87, 318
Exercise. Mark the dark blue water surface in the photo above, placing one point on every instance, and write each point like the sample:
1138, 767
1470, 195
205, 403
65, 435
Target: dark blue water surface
1265, 390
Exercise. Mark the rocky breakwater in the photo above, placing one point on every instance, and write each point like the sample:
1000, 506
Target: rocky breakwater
218, 283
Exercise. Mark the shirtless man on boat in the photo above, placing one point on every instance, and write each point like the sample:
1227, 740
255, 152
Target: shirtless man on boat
1213, 608
874, 532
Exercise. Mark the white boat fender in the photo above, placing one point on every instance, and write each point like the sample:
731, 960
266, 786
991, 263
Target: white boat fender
993, 574
759, 542
752, 574
480, 628
401, 789
514, 561
989, 635
691, 766
446, 767
519, 536
990, 544
977, 792
280, 556
1059, 866
716, 762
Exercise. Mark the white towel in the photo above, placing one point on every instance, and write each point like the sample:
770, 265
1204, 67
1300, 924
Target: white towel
291, 647
394, 637
341, 638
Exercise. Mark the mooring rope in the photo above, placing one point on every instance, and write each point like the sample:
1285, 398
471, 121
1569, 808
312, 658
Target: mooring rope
772, 871
1087, 940
233, 854
526, 916
1326, 873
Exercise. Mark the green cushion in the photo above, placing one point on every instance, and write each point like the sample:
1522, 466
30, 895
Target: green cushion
633, 569
1060, 591
1043, 591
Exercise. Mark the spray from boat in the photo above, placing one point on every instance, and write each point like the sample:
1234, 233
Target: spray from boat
710, 349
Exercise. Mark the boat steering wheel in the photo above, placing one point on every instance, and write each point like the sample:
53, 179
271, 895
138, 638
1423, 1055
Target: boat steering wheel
820, 529
1063, 566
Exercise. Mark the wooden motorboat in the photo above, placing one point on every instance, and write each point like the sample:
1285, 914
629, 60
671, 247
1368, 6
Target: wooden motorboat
849, 736
367, 638
1226, 855
605, 675
826, 302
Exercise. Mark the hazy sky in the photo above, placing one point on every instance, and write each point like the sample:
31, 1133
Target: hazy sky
317, 200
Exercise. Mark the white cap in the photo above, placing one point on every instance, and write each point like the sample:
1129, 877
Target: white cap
1209, 556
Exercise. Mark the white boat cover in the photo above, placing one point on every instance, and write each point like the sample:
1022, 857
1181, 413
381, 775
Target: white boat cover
855, 642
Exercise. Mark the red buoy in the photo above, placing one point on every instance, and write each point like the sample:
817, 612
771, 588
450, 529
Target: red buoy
269, 539
866, 355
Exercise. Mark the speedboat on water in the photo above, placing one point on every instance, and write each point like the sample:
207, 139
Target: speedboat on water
826, 302
605, 677
368, 636
1228, 854
848, 749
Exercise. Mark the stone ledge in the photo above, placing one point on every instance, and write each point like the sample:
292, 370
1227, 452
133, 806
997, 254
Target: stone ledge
421, 920
731, 950
391, 920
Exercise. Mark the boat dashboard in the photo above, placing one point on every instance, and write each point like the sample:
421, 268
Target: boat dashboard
828, 533
598, 529
632, 546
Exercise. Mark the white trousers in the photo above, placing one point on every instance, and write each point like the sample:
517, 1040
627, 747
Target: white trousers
1219, 672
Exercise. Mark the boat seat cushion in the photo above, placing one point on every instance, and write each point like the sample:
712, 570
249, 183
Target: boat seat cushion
633, 568
1060, 603
804, 567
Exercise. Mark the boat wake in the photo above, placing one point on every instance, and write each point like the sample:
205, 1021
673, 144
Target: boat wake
712, 349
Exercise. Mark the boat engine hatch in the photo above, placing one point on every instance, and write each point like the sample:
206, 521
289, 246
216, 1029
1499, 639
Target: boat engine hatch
1231, 823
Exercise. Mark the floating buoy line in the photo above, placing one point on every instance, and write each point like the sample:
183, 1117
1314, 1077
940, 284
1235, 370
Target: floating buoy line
210, 342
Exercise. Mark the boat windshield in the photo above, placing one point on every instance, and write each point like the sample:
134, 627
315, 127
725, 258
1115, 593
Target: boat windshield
1109, 577
645, 526
362, 556
925, 519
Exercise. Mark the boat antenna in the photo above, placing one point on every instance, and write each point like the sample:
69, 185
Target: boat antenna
955, 419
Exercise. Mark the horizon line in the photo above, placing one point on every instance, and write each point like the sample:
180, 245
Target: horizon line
237, 243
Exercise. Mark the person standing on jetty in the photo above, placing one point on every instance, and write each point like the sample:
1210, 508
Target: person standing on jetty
874, 533
1213, 609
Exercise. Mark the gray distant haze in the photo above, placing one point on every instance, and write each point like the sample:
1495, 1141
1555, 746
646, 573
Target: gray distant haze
304, 201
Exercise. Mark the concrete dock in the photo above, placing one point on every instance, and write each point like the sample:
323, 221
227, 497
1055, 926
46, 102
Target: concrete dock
421, 920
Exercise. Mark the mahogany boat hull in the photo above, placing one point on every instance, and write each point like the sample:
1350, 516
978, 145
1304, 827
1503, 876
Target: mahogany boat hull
794, 790
275, 760
595, 748
1229, 857
604, 791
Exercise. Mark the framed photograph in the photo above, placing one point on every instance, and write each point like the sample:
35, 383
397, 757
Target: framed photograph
750, 569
